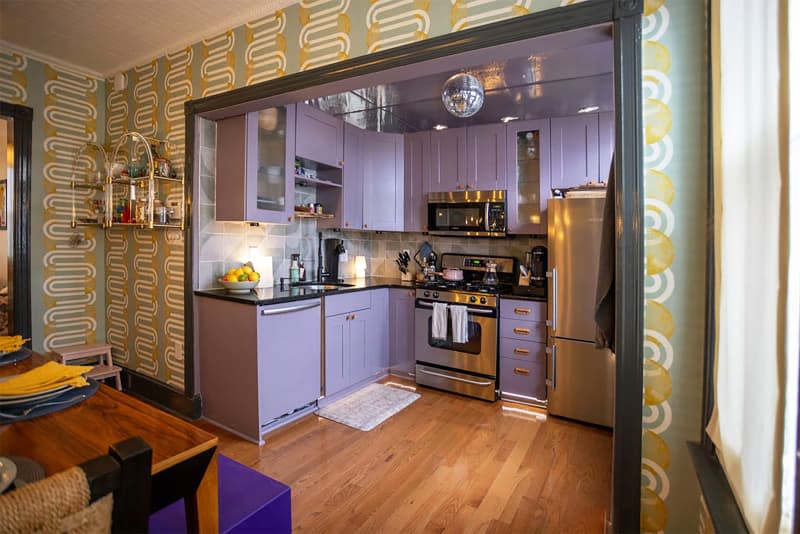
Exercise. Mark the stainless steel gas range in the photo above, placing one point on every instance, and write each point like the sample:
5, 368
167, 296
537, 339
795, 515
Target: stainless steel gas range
468, 367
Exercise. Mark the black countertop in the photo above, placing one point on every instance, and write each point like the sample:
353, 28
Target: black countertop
276, 295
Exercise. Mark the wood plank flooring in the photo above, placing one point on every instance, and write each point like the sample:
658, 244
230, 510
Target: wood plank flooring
444, 464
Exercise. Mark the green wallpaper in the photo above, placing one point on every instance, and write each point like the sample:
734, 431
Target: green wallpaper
143, 291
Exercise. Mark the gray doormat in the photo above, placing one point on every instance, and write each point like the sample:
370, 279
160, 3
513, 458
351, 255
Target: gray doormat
368, 407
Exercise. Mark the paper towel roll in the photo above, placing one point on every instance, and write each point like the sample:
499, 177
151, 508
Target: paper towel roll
263, 266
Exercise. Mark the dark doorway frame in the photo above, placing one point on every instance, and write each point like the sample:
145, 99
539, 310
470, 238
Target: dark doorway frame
625, 15
20, 288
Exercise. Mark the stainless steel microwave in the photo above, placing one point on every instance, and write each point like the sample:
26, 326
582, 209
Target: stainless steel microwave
467, 213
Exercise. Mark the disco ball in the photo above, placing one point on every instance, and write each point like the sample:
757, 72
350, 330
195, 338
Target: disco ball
462, 95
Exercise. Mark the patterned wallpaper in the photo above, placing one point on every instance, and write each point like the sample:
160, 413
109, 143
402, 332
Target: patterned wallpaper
68, 112
143, 293
674, 84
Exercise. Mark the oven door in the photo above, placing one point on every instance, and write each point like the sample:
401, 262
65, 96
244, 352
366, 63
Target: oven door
478, 355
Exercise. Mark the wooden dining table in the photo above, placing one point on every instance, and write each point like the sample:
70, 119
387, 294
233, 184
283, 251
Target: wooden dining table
184, 457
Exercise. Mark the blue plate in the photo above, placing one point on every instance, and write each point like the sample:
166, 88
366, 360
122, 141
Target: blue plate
14, 357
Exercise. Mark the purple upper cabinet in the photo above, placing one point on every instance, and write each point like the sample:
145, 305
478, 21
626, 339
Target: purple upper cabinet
606, 142
255, 166
319, 136
486, 157
573, 149
448, 171
349, 199
383, 181
528, 163
417, 169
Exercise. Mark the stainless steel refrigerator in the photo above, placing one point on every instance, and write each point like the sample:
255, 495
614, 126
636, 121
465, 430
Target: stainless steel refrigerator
580, 378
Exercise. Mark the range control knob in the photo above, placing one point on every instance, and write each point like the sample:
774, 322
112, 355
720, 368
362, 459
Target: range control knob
427, 294
483, 300
436, 294
472, 299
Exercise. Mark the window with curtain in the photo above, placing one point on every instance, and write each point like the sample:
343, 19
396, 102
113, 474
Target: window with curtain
754, 421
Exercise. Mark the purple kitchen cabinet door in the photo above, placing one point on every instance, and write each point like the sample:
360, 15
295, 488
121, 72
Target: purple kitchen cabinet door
448, 160
337, 348
486, 157
573, 150
528, 164
319, 136
255, 166
349, 211
227, 364
358, 349
289, 342
417, 170
378, 332
606, 142
401, 331
383, 181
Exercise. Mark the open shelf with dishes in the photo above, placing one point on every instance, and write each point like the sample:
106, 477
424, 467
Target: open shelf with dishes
136, 187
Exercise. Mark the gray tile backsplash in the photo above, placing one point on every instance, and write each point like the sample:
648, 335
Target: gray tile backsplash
222, 246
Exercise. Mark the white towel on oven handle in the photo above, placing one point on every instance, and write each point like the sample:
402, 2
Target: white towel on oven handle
460, 323
439, 321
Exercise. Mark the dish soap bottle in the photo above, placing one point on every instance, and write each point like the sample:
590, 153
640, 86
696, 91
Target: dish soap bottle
294, 268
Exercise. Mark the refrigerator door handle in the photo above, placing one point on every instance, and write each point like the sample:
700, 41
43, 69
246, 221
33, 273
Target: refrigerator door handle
552, 380
552, 323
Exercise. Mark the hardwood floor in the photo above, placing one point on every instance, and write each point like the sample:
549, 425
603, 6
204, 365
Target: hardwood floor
444, 464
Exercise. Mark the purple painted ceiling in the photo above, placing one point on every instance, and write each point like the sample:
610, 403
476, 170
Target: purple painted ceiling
544, 77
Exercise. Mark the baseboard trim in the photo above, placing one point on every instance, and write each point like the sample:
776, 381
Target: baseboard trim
161, 395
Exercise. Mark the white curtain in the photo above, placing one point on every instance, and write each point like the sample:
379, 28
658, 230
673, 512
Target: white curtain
756, 367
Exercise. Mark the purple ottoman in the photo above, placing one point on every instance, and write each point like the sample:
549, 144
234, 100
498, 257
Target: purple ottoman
248, 502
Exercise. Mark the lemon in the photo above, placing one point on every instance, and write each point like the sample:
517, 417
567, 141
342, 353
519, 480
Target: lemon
231, 271
246, 269
253, 276
237, 273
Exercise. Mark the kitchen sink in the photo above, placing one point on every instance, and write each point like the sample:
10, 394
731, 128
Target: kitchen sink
321, 286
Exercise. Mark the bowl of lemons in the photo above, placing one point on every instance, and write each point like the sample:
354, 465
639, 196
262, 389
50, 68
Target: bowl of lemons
240, 279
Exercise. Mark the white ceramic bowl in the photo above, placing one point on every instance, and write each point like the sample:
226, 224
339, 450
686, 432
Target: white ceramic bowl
238, 287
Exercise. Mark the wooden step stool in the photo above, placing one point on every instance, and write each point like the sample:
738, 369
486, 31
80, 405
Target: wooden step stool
105, 367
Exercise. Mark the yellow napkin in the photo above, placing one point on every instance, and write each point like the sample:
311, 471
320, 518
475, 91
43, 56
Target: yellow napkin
44, 378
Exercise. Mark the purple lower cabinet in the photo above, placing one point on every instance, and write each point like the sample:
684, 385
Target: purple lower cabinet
248, 502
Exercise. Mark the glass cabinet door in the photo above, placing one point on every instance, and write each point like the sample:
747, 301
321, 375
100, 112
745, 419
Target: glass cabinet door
274, 162
528, 145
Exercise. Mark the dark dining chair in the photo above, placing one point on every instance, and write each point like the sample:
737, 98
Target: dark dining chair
107, 493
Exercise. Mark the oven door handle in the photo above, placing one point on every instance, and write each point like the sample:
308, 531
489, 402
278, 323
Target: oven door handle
457, 379
470, 310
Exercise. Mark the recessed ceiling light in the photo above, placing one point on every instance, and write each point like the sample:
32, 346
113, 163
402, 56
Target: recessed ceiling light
440, 127
588, 109
508, 119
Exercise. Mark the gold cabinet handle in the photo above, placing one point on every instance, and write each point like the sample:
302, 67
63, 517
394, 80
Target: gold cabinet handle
522, 311
518, 350
365, 226
520, 330
521, 371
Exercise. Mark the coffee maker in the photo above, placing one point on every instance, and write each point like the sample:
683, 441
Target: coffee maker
333, 251
539, 267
